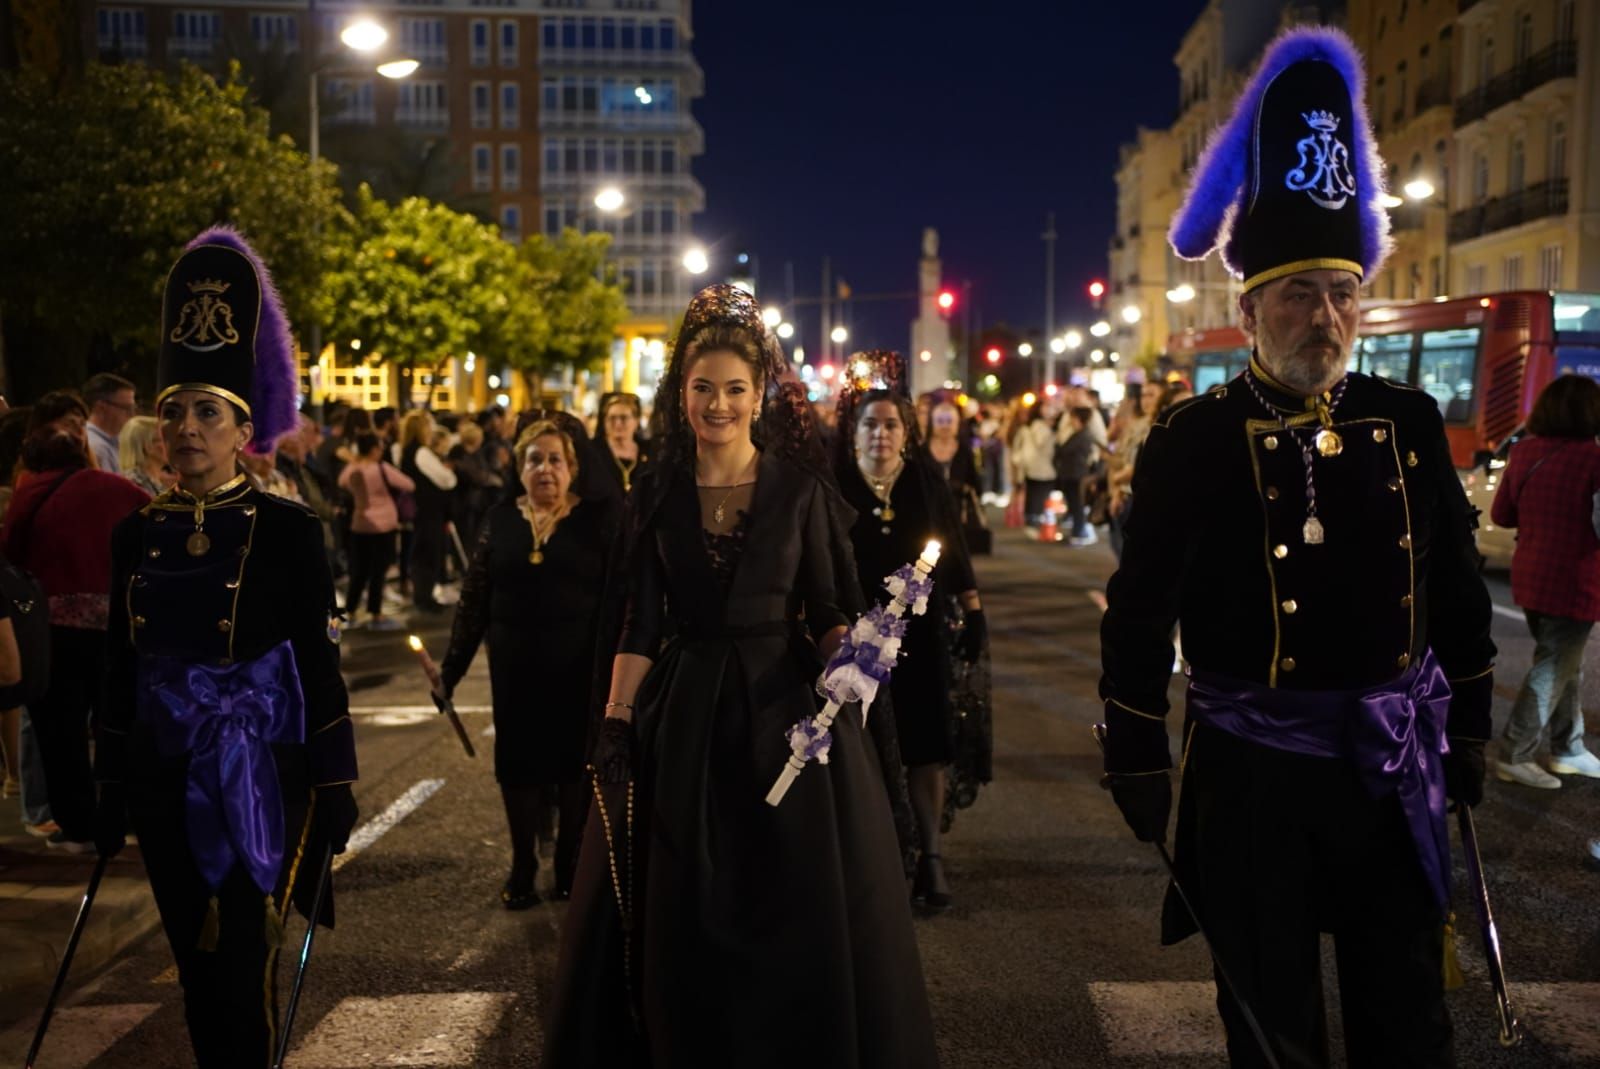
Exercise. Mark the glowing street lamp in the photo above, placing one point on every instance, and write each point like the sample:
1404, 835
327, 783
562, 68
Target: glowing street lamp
1058, 345
396, 69
838, 335
696, 262
610, 199
1419, 189
785, 331
1073, 339
1181, 294
1025, 350
1100, 329
1131, 314
771, 317
364, 35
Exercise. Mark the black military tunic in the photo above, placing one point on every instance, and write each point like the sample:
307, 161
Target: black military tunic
217, 583
1276, 845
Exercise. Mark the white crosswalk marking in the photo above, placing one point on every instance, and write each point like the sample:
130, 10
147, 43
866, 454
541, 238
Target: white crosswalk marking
378, 826
1163, 1017
79, 1034
403, 1030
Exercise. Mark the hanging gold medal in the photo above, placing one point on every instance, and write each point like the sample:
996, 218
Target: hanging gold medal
536, 557
198, 544
1328, 443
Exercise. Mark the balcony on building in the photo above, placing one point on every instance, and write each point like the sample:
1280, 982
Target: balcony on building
1407, 216
1433, 92
1538, 201
1559, 60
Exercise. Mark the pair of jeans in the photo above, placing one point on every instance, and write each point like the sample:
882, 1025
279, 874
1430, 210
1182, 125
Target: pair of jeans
1550, 699
370, 557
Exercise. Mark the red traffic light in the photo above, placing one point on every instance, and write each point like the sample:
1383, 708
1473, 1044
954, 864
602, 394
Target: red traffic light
993, 355
1097, 289
947, 300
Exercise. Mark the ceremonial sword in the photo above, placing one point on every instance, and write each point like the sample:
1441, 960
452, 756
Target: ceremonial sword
66, 957
1099, 732
1510, 1027
317, 900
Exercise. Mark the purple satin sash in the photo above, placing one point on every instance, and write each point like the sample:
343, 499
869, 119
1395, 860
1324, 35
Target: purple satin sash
225, 719
1394, 734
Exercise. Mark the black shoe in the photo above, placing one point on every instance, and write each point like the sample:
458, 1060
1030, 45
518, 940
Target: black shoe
518, 900
922, 889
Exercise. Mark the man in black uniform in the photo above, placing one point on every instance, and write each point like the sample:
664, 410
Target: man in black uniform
227, 740
1306, 528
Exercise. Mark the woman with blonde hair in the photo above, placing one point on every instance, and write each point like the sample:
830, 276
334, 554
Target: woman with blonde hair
435, 480
142, 455
534, 588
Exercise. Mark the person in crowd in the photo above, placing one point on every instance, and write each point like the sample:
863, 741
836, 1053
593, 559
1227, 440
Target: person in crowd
902, 499
1334, 621
497, 451
1172, 393
434, 481
142, 456
622, 457
331, 438
1129, 429
1075, 459
372, 483
112, 403
296, 463
535, 588
732, 913
1034, 450
949, 448
992, 448
1550, 493
58, 527
386, 422
262, 469
227, 745
478, 485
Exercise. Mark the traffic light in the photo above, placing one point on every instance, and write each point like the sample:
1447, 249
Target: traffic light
1097, 289
992, 355
947, 300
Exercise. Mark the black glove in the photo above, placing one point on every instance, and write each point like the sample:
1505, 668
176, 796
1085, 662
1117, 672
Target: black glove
111, 820
335, 815
1145, 801
613, 751
1463, 771
974, 636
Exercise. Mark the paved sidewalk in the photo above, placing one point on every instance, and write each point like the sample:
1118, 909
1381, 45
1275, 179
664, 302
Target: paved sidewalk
40, 890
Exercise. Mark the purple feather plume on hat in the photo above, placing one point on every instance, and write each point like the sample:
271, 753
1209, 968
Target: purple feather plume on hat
275, 390
1205, 221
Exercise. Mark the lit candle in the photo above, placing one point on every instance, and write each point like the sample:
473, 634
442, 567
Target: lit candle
930, 554
430, 669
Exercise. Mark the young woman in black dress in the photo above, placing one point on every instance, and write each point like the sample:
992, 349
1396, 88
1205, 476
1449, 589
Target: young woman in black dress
708, 928
534, 588
902, 500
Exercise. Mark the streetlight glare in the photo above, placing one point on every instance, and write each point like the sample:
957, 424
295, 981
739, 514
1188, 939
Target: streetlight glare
609, 199
785, 331
1100, 329
771, 317
1181, 293
1073, 339
1025, 350
398, 68
1058, 345
1097, 355
1389, 200
1419, 189
839, 335
696, 262
364, 35
1131, 314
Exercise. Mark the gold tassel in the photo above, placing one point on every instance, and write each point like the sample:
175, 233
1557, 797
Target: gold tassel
209, 927
274, 926
1452, 965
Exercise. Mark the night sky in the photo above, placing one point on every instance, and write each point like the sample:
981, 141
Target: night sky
841, 128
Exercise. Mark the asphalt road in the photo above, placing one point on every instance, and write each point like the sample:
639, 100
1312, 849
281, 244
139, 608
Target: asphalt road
1049, 958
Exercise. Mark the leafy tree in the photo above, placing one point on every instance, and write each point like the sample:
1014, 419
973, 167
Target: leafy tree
569, 279
106, 179
415, 282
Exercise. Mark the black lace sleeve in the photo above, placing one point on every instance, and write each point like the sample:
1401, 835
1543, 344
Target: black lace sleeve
472, 612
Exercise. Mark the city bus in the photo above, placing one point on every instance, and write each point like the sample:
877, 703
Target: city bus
1483, 359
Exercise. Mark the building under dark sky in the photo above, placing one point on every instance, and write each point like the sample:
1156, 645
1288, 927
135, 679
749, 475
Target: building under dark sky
842, 129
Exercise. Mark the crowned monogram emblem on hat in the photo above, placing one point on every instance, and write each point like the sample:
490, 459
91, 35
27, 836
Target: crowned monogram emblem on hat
206, 317
1324, 170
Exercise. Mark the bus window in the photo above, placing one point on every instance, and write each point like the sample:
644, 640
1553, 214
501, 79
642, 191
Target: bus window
1387, 356
1577, 312
1207, 375
1215, 368
1446, 370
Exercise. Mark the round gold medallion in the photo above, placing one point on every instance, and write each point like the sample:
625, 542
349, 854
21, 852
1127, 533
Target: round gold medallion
887, 515
536, 557
198, 544
1329, 444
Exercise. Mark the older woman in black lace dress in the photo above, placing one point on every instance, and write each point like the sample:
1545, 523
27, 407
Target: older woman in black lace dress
534, 588
707, 927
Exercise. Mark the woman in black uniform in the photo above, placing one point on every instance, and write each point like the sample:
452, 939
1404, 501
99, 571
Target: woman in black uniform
227, 739
623, 458
534, 587
705, 924
902, 500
